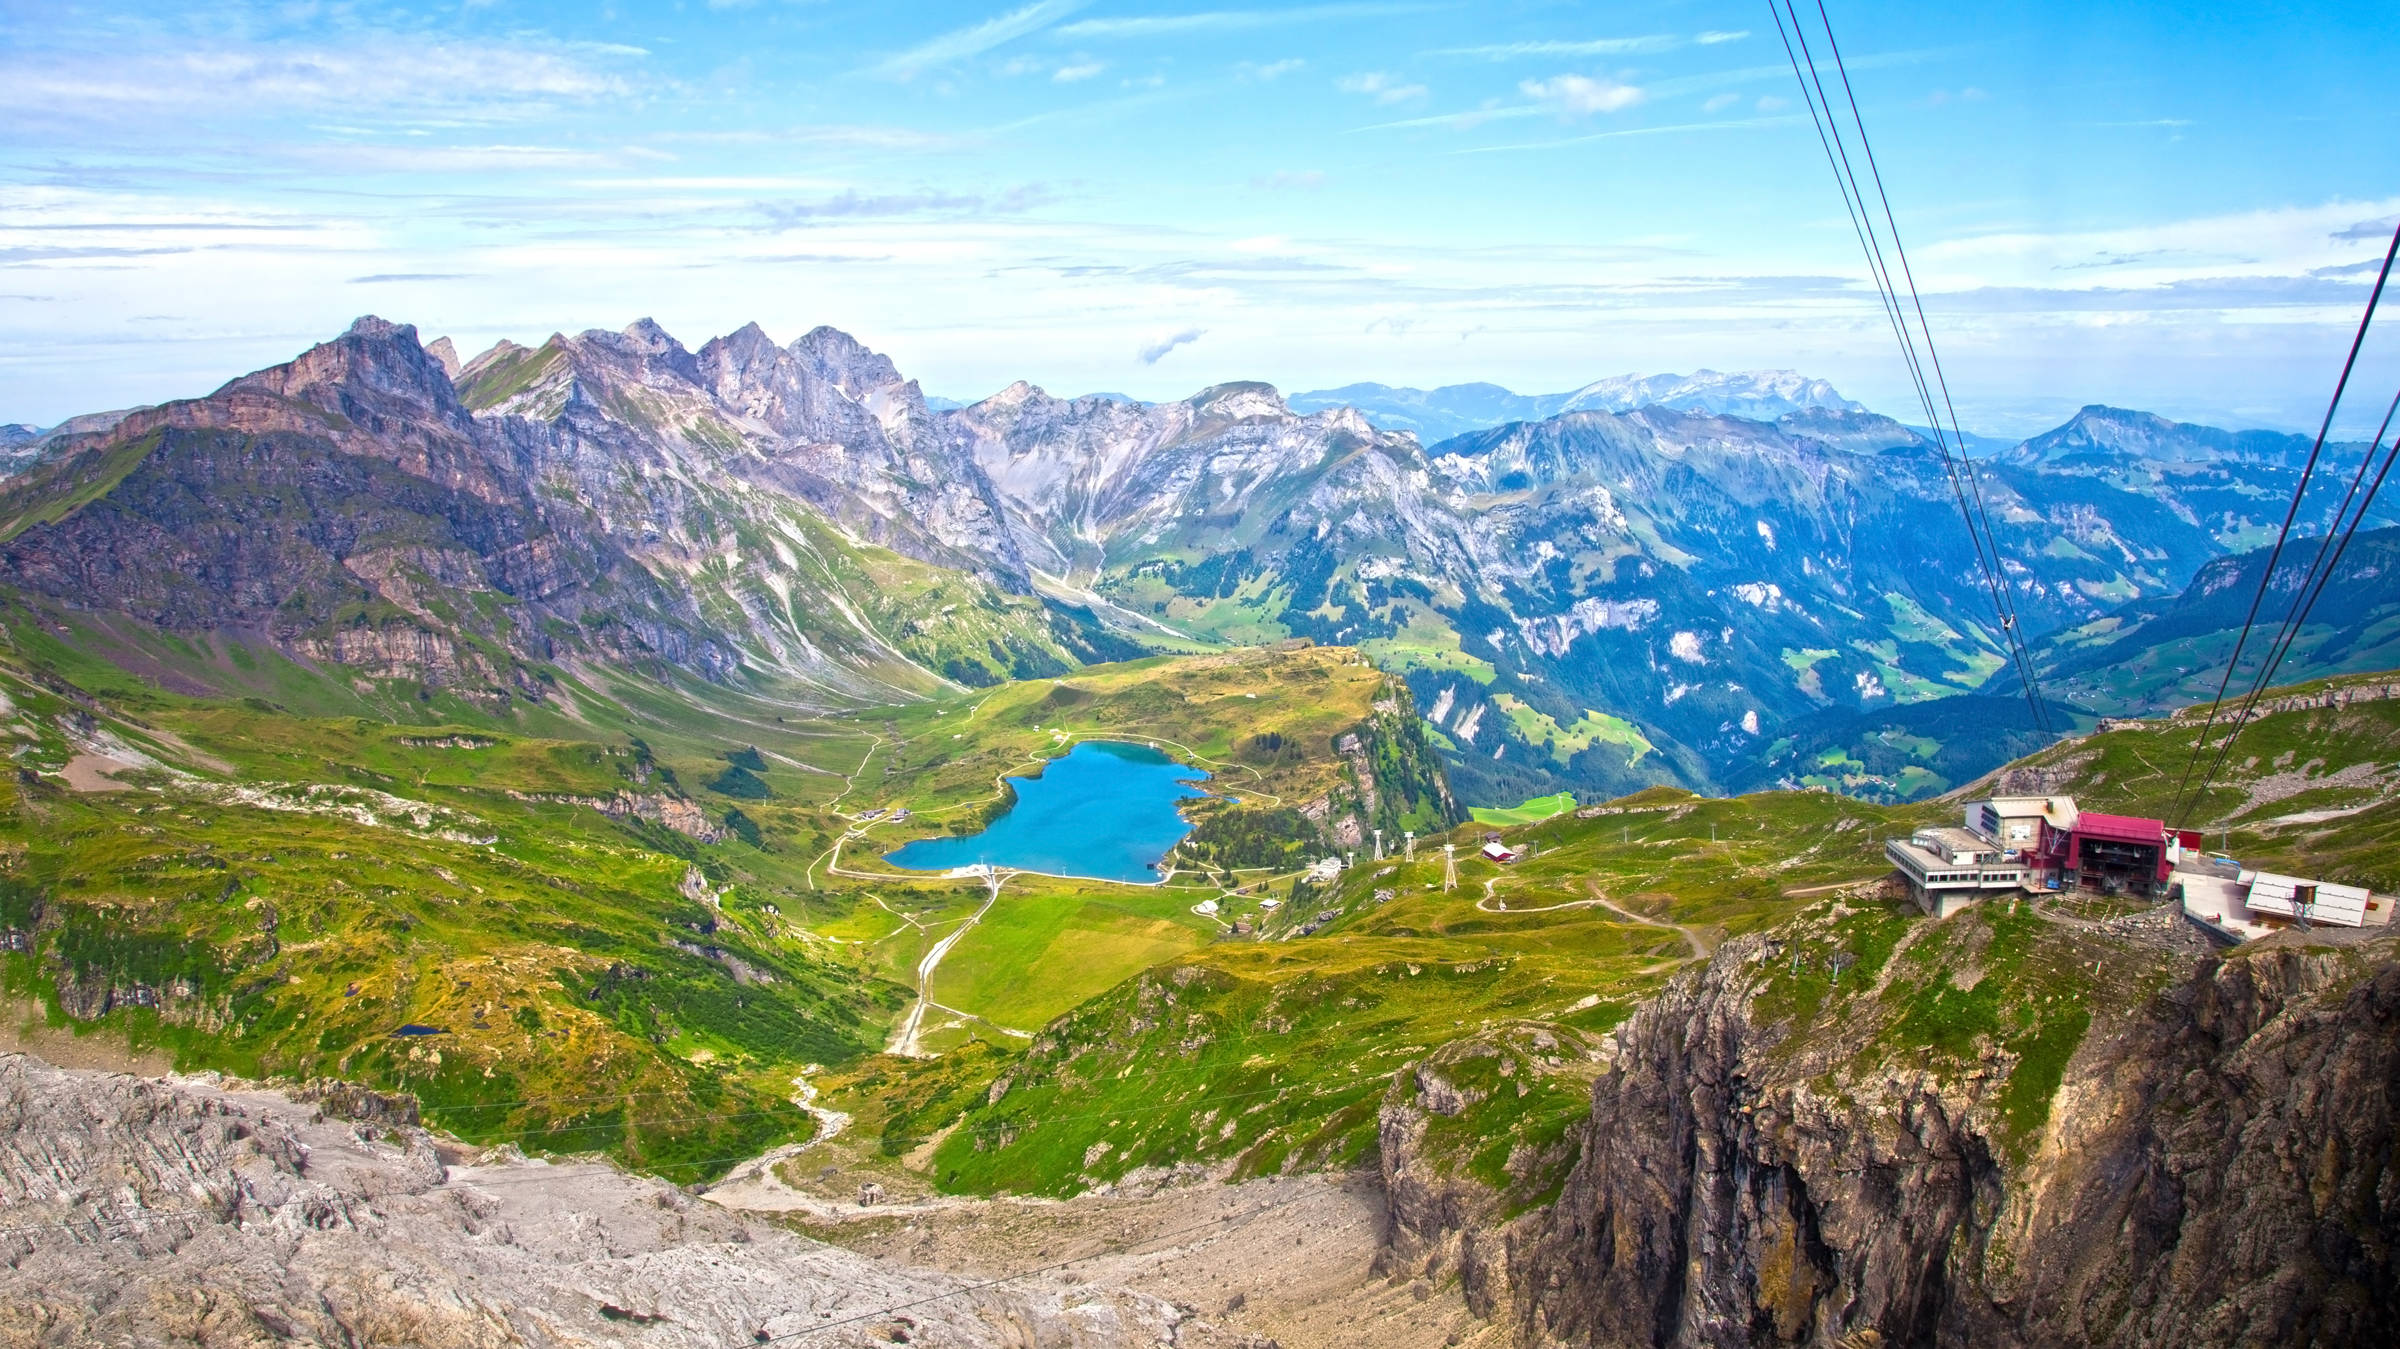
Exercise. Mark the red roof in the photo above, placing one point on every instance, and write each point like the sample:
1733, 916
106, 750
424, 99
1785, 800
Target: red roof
2121, 828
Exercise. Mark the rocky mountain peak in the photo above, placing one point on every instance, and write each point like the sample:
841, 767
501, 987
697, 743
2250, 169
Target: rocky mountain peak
845, 362
647, 336
1856, 432
498, 351
377, 328
641, 350
1240, 399
1757, 394
746, 347
443, 352
2098, 432
375, 376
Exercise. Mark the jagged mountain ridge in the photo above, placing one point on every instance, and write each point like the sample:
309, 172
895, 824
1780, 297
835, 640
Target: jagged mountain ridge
1266, 523
589, 501
1579, 592
1596, 600
1455, 409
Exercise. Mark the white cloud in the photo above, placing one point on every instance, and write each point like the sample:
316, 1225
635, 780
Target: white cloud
504, 159
1383, 86
1154, 352
1230, 20
975, 39
1579, 96
1720, 103
1603, 46
1678, 128
1270, 70
2251, 246
1081, 70
402, 73
1714, 37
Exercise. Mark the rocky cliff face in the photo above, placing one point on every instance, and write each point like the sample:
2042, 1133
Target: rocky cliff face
351, 507
2214, 1169
1095, 480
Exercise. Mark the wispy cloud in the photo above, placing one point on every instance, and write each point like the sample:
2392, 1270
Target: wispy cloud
1230, 20
2377, 230
453, 158
1382, 86
1719, 79
381, 278
1562, 142
1714, 37
974, 40
400, 72
1156, 351
1574, 97
852, 205
1472, 117
1270, 70
1598, 46
851, 135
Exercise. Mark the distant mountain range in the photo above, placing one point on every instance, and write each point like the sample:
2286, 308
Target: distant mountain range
2165, 652
1598, 599
1438, 414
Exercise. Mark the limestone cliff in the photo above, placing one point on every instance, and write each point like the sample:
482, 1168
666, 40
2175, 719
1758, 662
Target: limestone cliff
2214, 1167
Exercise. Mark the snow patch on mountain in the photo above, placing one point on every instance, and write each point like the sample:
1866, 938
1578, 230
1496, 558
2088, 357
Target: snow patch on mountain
1761, 395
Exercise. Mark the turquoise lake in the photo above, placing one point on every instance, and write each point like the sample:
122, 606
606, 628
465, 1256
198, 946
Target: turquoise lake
1104, 811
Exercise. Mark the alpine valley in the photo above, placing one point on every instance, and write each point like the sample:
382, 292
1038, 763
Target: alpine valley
448, 868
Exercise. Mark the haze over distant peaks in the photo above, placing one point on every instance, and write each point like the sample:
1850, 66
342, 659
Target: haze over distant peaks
1437, 414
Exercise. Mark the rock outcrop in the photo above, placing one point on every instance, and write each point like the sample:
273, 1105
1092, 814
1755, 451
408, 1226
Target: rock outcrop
2217, 1169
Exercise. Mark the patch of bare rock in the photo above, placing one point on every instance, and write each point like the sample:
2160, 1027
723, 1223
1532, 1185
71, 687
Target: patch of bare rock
138, 1211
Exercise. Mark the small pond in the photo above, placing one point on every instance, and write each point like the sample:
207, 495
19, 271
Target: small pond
1105, 811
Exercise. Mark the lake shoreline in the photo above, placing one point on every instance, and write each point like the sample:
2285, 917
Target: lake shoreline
1105, 811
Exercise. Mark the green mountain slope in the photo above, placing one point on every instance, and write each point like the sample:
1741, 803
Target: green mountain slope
1279, 1054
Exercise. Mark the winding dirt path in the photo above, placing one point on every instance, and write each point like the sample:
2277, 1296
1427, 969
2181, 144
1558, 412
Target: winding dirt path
1490, 903
907, 1039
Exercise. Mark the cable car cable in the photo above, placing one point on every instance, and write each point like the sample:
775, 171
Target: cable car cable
2004, 599
2312, 587
2184, 807
1832, 141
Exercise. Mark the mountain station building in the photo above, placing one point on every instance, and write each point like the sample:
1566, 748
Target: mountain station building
2034, 844
2045, 845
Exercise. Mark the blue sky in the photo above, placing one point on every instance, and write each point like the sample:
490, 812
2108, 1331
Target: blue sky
2160, 206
